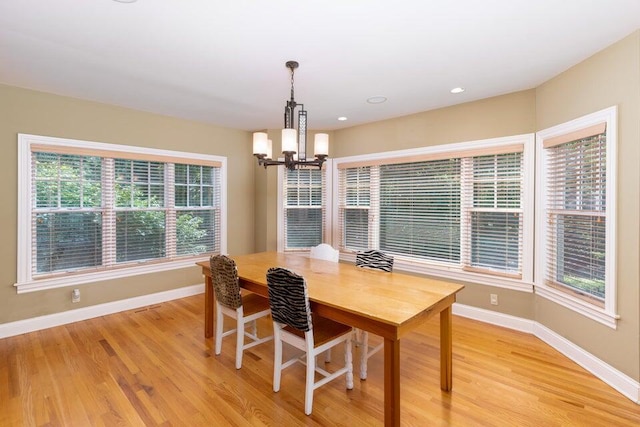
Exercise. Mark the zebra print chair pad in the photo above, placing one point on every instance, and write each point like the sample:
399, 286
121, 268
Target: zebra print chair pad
224, 275
374, 259
289, 299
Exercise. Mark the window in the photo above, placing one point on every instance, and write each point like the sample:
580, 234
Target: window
492, 213
303, 208
575, 213
66, 212
91, 211
197, 188
357, 206
420, 210
452, 210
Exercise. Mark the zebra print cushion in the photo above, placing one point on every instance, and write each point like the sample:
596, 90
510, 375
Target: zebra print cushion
224, 275
289, 299
374, 259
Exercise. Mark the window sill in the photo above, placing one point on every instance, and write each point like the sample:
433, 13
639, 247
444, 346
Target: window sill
79, 279
454, 273
579, 306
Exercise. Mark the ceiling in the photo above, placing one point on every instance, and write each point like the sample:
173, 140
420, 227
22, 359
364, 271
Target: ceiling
223, 62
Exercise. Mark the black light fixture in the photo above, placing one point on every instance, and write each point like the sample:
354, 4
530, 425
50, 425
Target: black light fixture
294, 142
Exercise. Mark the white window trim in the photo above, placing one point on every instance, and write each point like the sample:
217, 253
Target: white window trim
25, 282
326, 235
525, 284
607, 316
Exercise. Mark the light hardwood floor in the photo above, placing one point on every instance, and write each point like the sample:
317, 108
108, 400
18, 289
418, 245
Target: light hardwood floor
153, 366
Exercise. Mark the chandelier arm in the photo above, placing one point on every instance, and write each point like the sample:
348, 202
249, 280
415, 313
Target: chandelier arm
289, 161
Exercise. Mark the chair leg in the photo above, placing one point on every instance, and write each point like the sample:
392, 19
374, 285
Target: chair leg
239, 340
310, 381
348, 362
327, 356
277, 357
364, 354
219, 325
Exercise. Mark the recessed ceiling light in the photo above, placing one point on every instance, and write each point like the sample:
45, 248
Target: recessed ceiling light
377, 99
342, 118
457, 90
126, 1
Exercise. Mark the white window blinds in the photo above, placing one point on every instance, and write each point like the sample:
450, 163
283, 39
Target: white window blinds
67, 213
358, 207
304, 207
103, 211
140, 210
197, 209
492, 199
420, 209
576, 213
459, 209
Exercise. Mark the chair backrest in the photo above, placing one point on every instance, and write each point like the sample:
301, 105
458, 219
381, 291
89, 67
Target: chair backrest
325, 251
289, 299
374, 259
224, 275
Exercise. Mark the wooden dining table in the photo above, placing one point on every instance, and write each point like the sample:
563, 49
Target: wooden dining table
387, 304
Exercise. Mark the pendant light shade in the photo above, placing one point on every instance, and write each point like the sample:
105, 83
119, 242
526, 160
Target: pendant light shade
289, 141
321, 144
260, 143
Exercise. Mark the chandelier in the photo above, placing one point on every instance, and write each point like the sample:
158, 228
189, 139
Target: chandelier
294, 142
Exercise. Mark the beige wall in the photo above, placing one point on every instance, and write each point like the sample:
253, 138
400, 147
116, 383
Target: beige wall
266, 200
506, 115
25, 111
611, 77
266, 215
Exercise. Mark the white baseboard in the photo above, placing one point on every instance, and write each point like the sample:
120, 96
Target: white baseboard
616, 379
65, 317
494, 318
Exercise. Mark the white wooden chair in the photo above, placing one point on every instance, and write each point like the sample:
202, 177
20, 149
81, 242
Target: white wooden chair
374, 260
230, 302
325, 251
294, 324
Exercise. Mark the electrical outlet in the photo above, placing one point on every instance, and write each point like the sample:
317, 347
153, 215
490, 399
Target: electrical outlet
75, 296
494, 299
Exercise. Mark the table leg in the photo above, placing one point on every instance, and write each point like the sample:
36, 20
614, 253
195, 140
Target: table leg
391, 382
446, 359
208, 307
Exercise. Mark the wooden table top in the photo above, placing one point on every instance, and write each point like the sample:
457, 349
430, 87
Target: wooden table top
393, 299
